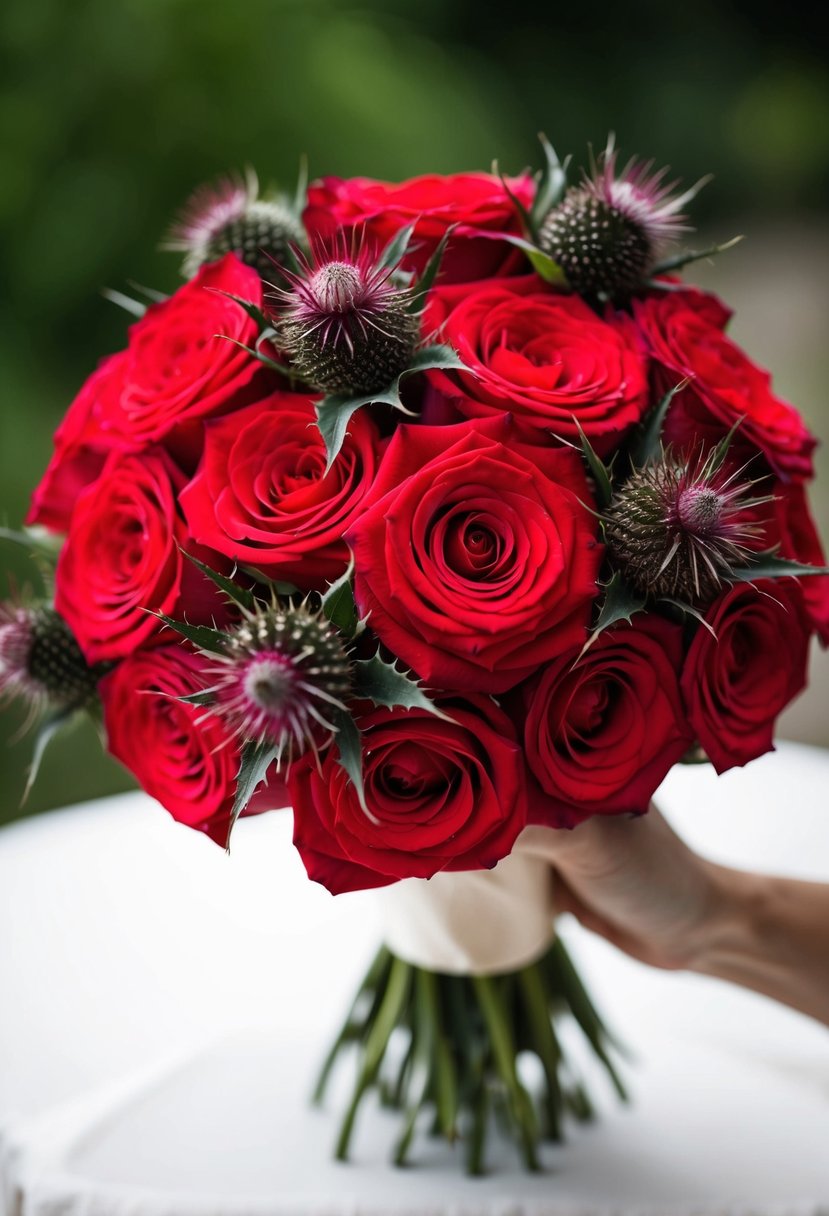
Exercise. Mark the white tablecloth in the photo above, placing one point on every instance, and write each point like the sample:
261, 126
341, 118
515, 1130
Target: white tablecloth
164, 1007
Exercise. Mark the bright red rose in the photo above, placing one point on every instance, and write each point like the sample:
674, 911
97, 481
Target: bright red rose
181, 756
737, 682
122, 559
683, 330
600, 734
545, 358
441, 796
179, 368
80, 450
476, 202
262, 495
475, 562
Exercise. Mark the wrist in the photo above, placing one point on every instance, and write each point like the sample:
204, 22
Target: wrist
730, 928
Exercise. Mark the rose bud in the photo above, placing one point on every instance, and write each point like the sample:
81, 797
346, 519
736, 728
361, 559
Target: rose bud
345, 323
229, 217
607, 233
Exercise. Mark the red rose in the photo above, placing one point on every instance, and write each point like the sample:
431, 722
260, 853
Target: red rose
179, 368
440, 795
545, 358
80, 450
683, 330
262, 495
476, 202
737, 682
600, 734
181, 756
122, 559
799, 541
476, 563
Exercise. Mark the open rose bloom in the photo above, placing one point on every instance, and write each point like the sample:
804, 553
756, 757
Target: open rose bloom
434, 510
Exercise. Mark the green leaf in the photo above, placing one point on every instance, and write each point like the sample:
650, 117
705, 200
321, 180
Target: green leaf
430, 271
553, 182
601, 476
202, 636
348, 742
647, 446
235, 593
692, 255
542, 263
393, 253
380, 682
620, 603
334, 412
253, 310
46, 732
134, 307
257, 758
437, 357
770, 566
206, 696
37, 540
338, 603
526, 219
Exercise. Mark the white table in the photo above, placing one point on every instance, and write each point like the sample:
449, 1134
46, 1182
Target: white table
164, 1008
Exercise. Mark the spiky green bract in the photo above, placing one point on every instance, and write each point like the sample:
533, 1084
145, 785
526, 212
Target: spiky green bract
682, 526
345, 324
279, 677
41, 661
230, 217
607, 233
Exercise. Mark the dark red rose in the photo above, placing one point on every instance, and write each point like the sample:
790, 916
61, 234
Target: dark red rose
476, 202
475, 562
601, 733
181, 756
179, 368
80, 450
545, 358
737, 682
683, 331
441, 795
122, 559
799, 541
262, 495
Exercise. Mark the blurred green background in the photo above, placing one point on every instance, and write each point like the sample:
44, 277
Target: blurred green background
112, 110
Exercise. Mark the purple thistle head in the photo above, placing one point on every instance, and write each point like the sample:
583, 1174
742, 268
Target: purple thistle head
228, 216
607, 233
40, 661
282, 675
681, 526
344, 321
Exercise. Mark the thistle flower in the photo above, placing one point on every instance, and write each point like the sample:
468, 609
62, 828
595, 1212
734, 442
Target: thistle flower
283, 672
607, 233
345, 323
681, 526
229, 217
40, 661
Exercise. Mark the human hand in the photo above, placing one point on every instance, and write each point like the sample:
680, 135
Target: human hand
636, 883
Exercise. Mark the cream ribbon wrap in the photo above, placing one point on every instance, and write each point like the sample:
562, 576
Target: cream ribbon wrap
475, 922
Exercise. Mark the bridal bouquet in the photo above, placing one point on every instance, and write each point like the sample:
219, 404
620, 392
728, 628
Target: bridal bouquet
446, 512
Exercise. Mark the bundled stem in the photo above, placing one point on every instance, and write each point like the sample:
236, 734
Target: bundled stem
454, 1062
